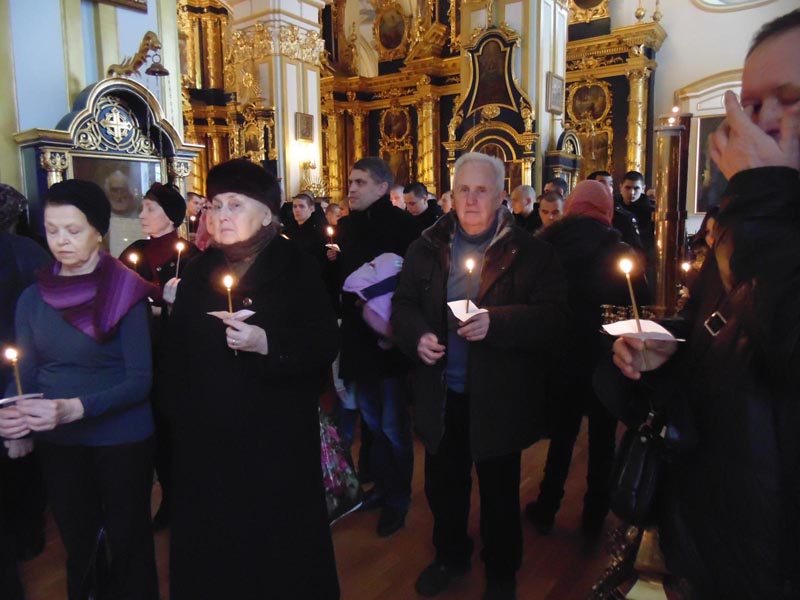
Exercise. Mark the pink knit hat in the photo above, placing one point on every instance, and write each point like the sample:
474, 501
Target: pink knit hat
591, 199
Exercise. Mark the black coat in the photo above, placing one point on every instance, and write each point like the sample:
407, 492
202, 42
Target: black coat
249, 513
523, 287
362, 236
731, 517
590, 253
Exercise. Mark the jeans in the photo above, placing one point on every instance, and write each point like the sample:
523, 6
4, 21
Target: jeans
384, 409
448, 483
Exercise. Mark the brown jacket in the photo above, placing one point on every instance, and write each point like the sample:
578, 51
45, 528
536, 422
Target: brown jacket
523, 288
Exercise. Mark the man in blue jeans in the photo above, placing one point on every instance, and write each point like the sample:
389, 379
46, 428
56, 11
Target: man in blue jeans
376, 373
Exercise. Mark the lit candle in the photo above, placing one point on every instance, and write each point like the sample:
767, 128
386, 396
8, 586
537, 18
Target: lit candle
330, 232
134, 258
179, 247
228, 283
626, 265
11, 355
470, 267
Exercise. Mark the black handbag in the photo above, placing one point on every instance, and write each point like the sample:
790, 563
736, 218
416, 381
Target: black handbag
635, 475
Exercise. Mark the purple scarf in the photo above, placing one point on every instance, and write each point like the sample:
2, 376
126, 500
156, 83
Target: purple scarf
96, 302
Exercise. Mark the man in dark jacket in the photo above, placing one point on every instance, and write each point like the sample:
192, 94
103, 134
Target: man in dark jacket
729, 522
424, 211
589, 249
623, 221
375, 227
477, 382
525, 209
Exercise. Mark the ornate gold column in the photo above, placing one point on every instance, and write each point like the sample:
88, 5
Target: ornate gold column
212, 66
428, 114
359, 131
55, 163
333, 151
637, 119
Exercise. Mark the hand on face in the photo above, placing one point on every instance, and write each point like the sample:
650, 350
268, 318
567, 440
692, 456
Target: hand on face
740, 144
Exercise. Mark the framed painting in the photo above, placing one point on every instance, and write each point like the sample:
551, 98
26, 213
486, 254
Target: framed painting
555, 93
303, 127
125, 181
710, 182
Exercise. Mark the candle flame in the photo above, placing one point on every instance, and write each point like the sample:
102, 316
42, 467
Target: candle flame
686, 266
11, 354
330, 230
626, 265
192, 218
133, 257
180, 246
227, 281
470, 265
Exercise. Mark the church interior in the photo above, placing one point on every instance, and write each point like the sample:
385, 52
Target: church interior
164, 90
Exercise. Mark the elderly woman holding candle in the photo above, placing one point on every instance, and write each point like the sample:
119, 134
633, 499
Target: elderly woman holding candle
81, 332
158, 259
249, 517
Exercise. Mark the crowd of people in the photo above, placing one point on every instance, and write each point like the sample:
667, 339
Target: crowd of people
205, 358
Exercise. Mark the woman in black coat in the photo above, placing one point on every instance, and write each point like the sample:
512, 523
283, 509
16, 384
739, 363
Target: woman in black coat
249, 519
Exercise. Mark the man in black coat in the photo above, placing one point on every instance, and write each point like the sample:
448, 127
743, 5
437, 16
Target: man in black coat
525, 209
375, 227
729, 518
477, 383
424, 211
623, 221
589, 249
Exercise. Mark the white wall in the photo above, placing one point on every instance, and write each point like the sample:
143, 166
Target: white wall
700, 42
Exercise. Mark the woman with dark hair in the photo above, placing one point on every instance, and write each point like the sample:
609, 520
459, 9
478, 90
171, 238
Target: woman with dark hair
158, 260
249, 519
82, 337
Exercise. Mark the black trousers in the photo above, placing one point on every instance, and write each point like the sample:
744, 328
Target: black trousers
106, 486
573, 396
448, 483
10, 586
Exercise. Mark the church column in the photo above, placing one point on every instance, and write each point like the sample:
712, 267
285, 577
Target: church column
333, 151
359, 115
212, 63
428, 117
637, 119
54, 163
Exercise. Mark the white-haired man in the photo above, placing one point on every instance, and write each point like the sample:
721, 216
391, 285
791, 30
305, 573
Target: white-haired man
477, 386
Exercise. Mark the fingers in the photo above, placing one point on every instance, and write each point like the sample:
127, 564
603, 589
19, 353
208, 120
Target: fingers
790, 136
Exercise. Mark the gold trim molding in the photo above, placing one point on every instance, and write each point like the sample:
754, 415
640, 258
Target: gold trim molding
631, 39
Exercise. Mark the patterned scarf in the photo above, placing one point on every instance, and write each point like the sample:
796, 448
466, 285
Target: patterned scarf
96, 302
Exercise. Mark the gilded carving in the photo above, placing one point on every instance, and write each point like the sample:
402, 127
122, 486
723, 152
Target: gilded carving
178, 168
589, 104
130, 66
584, 11
396, 145
490, 112
107, 130
588, 63
53, 161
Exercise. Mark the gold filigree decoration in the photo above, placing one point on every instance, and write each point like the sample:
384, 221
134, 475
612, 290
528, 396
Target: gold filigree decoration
588, 63
53, 161
91, 137
130, 66
391, 30
490, 112
116, 124
178, 168
586, 14
394, 93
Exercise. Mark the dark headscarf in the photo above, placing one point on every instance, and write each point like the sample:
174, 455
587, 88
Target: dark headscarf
86, 197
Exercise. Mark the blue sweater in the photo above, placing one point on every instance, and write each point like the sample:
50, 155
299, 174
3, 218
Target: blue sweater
112, 379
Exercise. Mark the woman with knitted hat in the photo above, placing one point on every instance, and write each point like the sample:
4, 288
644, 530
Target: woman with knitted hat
158, 260
82, 336
249, 515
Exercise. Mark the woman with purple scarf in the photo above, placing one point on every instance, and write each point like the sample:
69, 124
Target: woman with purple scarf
83, 343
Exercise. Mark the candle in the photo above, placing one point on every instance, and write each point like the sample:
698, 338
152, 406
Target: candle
134, 258
179, 247
11, 355
330, 232
626, 265
228, 283
470, 266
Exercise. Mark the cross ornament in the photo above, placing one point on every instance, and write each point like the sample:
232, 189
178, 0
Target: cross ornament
116, 124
